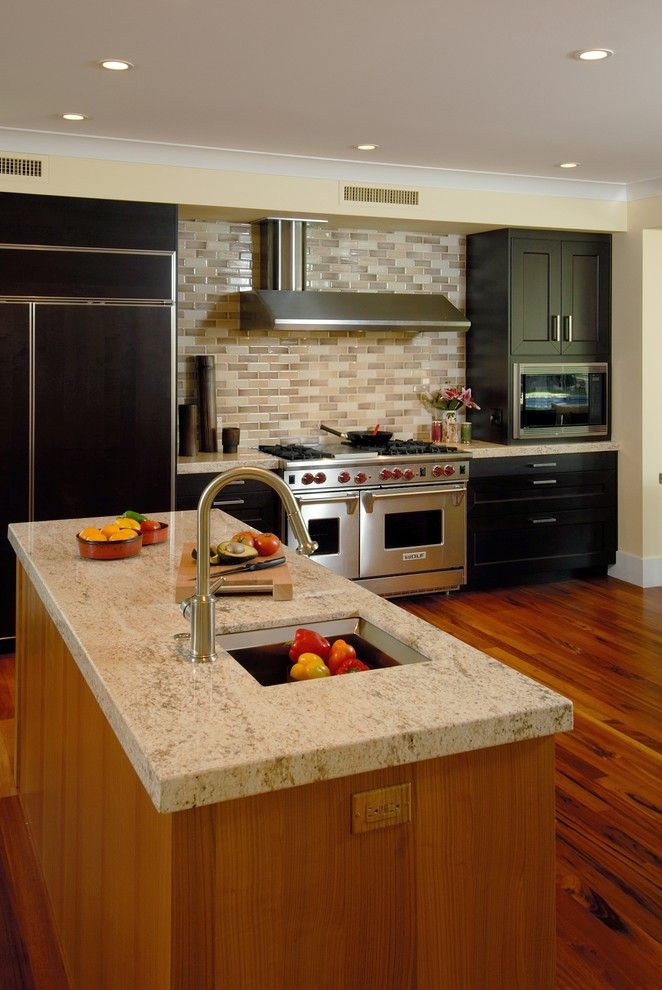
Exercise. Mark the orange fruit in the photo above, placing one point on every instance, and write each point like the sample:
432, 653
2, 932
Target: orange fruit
125, 523
110, 529
122, 534
92, 533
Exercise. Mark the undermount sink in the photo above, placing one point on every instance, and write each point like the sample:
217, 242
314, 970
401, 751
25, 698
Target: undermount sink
264, 652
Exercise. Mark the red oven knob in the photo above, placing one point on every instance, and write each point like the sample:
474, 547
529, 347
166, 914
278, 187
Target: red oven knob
397, 473
409, 474
437, 471
360, 478
320, 478
448, 470
385, 474
308, 478
344, 476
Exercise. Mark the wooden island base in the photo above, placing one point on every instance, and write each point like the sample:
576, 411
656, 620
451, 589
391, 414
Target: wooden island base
275, 892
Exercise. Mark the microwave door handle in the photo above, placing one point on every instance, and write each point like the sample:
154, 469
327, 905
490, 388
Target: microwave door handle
555, 327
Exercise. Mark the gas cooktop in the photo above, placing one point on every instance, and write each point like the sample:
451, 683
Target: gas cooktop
394, 448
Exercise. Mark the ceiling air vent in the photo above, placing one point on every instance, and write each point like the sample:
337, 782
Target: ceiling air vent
382, 195
23, 167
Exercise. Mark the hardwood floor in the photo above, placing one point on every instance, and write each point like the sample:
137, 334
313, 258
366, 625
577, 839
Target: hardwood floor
599, 642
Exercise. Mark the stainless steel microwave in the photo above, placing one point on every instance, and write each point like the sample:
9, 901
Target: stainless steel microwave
560, 400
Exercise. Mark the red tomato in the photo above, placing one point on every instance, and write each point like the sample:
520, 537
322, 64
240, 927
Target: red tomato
266, 543
149, 525
246, 536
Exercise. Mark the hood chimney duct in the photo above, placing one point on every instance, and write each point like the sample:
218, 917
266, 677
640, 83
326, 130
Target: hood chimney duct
280, 245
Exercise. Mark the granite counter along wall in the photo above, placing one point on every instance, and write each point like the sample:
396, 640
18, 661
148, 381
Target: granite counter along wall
282, 383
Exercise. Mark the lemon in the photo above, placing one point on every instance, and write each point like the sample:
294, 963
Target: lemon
92, 533
122, 534
125, 523
110, 529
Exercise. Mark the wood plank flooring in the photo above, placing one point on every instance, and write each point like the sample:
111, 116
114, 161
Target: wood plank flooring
599, 642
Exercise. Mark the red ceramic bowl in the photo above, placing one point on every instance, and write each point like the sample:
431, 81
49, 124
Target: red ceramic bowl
155, 535
111, 549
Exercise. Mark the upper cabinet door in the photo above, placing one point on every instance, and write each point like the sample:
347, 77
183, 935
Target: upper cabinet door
535, 316
585, 302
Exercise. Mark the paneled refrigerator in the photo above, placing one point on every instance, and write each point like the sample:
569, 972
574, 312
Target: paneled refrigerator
87, 386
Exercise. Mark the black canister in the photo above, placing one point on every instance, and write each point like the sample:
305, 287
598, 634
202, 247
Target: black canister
206, 379
188, 429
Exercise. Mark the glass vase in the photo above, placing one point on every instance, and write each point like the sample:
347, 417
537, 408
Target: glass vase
450, 428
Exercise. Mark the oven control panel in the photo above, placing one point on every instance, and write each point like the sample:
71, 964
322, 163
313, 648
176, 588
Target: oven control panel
372, 475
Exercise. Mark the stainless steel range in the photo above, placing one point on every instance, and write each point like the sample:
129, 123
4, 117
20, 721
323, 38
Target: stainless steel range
393, 519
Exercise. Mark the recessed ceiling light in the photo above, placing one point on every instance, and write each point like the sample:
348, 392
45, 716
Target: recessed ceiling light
116, 64
74, 116
569, 164
366, 147
593, 54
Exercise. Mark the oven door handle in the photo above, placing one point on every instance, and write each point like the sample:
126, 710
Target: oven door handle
310, 499
369, 498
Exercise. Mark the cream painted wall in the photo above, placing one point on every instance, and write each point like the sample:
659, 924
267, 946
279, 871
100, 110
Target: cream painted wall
246, 195
652, 394
637, 393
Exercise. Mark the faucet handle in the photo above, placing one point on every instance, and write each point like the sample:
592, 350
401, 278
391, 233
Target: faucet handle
186, 607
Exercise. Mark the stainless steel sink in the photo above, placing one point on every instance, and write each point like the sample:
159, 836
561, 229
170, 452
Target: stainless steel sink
264, 652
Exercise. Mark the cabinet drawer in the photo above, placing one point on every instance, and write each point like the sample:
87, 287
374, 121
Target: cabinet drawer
541, 542
541, 465
522, 494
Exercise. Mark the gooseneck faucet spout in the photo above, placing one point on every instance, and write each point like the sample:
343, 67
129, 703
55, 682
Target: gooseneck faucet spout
202, 605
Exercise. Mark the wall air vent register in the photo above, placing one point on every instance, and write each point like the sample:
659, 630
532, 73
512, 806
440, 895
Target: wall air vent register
23, 167
381, 195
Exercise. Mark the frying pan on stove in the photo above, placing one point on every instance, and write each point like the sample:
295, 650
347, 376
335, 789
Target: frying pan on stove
368, 438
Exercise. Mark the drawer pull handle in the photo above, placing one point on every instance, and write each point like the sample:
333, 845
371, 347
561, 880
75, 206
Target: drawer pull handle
544, 481
543, 464
546, 519
229, 501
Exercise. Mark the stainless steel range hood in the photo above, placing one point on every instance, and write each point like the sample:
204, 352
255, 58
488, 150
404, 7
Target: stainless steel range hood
279, 299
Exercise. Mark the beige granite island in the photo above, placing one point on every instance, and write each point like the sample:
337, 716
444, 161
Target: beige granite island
198, 830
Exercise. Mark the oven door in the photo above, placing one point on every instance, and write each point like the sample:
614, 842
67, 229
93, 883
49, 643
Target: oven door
333, 522
408, 531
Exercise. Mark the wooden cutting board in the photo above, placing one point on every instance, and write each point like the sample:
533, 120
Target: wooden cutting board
275, 581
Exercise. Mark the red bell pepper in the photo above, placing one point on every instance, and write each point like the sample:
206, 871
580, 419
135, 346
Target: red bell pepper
309, 641
351, 666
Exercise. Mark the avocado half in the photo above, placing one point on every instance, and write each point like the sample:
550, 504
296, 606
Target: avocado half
235, 553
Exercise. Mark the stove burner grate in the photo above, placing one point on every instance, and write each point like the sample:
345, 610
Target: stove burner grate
293, 451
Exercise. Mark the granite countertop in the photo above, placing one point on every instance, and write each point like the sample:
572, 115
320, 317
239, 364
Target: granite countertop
198, 734
217, 462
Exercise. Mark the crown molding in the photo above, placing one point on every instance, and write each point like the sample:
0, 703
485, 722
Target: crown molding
222, 159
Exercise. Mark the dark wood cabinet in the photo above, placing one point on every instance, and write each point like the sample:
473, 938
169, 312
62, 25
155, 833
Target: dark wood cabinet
532, 295
560, 297
251, 502
87, 345
542, 517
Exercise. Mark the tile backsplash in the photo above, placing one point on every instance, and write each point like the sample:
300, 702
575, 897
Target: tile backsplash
276, 384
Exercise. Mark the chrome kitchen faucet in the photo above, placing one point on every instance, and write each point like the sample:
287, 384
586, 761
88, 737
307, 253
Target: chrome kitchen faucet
201, 607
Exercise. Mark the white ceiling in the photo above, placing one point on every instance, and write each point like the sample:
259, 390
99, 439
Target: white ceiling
475, 85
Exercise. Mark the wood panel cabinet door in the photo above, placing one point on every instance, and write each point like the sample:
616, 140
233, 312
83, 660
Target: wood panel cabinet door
585, 298
103, 410
560, 297
535, 294
14, 447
